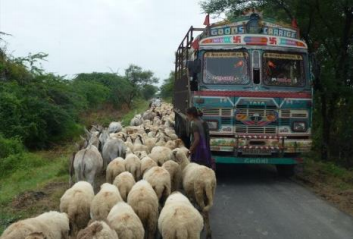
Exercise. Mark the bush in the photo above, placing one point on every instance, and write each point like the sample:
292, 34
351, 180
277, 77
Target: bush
23, 160
10, 146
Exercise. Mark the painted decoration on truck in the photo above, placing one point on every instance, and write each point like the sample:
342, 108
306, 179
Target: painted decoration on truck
247, 39
256, 118
252, 24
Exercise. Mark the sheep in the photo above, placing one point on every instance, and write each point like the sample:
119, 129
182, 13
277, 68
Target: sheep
137, 120
133, 165
115, 127
87, 163
143, 199
129, 143
76, 202
125, 222
199, 183
47, 225
105, 199
124, 182
97, 230
138, 145
179, 219
141, 154
175, 174
159, 178
114, 168
146, 164
161, 154
150, 142
112, 149
170, 144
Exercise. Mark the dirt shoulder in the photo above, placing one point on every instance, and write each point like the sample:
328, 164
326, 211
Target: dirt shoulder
330, 182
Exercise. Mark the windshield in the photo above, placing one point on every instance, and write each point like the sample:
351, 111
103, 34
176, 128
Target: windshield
226, 68
283, 69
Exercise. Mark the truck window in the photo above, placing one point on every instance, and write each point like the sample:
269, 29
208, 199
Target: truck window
226, 67
283, 69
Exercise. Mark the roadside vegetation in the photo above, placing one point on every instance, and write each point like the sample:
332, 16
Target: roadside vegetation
33, 182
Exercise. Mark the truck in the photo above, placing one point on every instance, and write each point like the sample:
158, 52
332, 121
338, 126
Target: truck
251, 78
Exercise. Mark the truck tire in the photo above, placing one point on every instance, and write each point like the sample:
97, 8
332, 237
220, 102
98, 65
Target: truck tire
286, 170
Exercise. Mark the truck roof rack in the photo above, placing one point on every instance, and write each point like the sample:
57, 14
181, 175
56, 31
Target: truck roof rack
182, 52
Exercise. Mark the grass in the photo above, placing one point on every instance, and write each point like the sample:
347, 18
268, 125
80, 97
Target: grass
46, 172
330, 181
138, 107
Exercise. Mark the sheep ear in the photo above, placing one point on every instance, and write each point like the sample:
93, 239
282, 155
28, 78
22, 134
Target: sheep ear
87, 132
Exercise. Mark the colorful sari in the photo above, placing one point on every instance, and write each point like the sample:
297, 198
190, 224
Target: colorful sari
202, 153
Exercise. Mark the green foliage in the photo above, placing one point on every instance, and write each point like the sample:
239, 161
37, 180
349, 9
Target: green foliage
168, 87
148, 91
138, 106
18, 161
10, 146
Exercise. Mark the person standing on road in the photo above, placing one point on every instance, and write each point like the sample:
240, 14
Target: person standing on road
200, 140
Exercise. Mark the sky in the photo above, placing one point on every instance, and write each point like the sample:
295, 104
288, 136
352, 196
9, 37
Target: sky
99, 35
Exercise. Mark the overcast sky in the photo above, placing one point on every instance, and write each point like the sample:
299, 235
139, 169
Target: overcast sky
96, 35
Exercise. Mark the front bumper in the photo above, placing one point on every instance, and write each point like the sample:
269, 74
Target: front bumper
257, 160
260, 145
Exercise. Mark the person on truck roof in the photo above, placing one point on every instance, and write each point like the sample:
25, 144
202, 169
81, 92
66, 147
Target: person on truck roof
200, 138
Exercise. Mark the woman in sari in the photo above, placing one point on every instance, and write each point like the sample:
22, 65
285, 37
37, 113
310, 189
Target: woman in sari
200, 140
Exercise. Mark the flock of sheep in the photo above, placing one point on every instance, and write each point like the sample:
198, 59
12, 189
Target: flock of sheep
146, 168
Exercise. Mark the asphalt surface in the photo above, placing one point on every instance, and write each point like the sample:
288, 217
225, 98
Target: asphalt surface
253, 202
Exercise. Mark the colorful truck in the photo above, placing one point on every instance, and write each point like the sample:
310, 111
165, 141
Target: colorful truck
251, 79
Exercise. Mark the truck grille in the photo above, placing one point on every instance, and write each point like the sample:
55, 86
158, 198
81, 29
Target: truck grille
224, 112
255, 130
261, 112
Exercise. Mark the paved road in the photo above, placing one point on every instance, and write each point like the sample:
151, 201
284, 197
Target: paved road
253, 202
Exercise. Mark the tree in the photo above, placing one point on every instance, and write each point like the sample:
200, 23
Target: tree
168, 86
148, 91
327, 28
139, 77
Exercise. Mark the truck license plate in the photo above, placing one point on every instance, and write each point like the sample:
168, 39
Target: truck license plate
256, 151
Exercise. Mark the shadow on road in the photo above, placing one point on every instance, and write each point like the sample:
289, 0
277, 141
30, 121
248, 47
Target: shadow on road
246, 174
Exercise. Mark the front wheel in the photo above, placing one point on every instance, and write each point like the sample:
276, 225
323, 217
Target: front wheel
285, 170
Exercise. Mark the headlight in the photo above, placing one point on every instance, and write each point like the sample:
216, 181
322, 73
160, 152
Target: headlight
299, 127
212, 125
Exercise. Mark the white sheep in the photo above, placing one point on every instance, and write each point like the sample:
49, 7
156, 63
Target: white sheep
105, 199
146, 164
133, 165
97, 230
160, 180
143, 199
161, 154
139, 145
124, 182
150, 142
141, 154
175, 174
47, 225
137, 120
114, 168
115, 127
199, 183
179, 219
76, 202
125, 222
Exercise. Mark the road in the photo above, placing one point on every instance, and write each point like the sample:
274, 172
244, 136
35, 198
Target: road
253, 202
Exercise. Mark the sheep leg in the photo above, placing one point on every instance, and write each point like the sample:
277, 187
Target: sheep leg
206, 218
